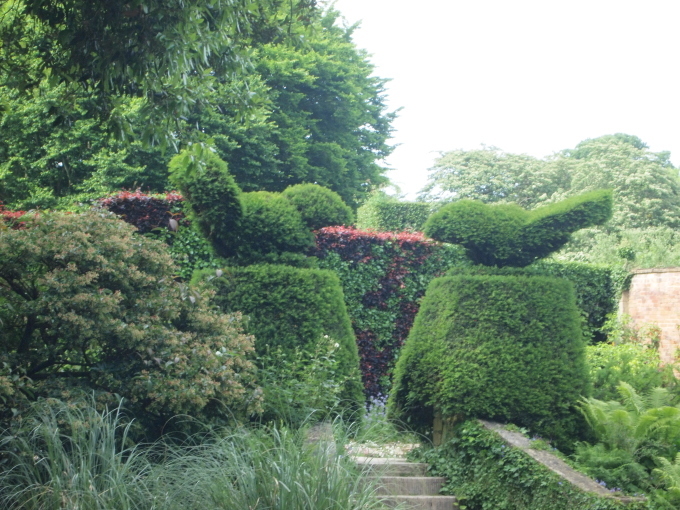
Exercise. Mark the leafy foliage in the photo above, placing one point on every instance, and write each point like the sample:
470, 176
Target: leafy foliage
318, 206
383, 276
490, 175
144, 211
212, 197
300, 386
498, 347
167, 52
507, 235
85, 305
598, 288
293, 308
630, 356
631, 433
387, 214
484, 472
271, 227
627, 248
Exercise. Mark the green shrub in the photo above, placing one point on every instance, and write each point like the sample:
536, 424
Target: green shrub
598, 288
87, 305
387, 214
319, 206
507, 235
634, 363
293, 308
497, 347
301, 386
271, 226
212, 196
484, 472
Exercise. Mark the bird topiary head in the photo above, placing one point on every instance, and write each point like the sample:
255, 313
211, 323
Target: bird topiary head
507, 235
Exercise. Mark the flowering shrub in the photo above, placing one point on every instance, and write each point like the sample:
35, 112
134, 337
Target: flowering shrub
383, 275
87, 306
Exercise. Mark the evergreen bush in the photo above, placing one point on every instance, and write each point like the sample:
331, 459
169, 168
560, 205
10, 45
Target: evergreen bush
212, 196
507, 235
319, 207
88, 306
294, 308
598, 288
271, 229
496, 347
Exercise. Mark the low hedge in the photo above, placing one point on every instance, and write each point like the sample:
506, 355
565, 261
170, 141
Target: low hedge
386, 214
293, 308
496, 347
485, 473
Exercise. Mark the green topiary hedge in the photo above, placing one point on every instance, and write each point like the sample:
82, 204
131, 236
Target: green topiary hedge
497, 347
387, 214
507, 235
271, 227
293, 308
319, 207
484, 472
598, 288
212, 196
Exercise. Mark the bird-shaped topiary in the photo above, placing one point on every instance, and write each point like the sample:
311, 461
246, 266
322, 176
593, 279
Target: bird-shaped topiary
507, 235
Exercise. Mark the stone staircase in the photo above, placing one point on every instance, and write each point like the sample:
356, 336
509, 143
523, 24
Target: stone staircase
404, 485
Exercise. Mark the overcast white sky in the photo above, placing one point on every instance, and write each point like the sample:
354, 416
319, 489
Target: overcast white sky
528, 76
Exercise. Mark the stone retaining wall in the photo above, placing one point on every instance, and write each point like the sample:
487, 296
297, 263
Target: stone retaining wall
654, 298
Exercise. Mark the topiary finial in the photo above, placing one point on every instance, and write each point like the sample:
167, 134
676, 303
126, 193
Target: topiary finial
507, 235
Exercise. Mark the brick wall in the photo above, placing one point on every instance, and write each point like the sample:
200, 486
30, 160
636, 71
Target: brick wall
654, 297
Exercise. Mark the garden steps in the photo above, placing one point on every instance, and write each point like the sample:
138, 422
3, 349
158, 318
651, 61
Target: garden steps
404, 484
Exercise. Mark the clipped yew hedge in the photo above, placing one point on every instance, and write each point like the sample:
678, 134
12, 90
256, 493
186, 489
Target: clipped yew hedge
506, 348
293, 308
598, 288
383, 276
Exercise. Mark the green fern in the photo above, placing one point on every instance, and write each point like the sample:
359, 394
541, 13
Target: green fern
633, 434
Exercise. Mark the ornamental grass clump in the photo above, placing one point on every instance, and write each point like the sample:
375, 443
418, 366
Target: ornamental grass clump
74, 457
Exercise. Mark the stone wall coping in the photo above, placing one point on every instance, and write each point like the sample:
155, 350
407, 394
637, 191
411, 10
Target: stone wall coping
555, 464
656, 270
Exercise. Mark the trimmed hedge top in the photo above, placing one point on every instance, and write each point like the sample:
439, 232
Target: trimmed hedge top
507, 235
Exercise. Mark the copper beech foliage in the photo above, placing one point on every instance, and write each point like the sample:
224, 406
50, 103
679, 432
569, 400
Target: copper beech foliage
85, 304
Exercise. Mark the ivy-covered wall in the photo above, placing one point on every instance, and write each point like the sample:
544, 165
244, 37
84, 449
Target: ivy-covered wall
383, 276
484, 472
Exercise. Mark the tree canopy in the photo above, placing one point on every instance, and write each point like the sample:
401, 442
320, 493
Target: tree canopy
316, 114
645, 184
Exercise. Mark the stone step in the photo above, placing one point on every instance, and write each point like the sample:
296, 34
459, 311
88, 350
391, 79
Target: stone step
421, 502
391, 467
407, 485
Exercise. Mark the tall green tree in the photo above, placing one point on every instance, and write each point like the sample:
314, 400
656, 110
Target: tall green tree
493, 176
166, 51
327, 121
646, 185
